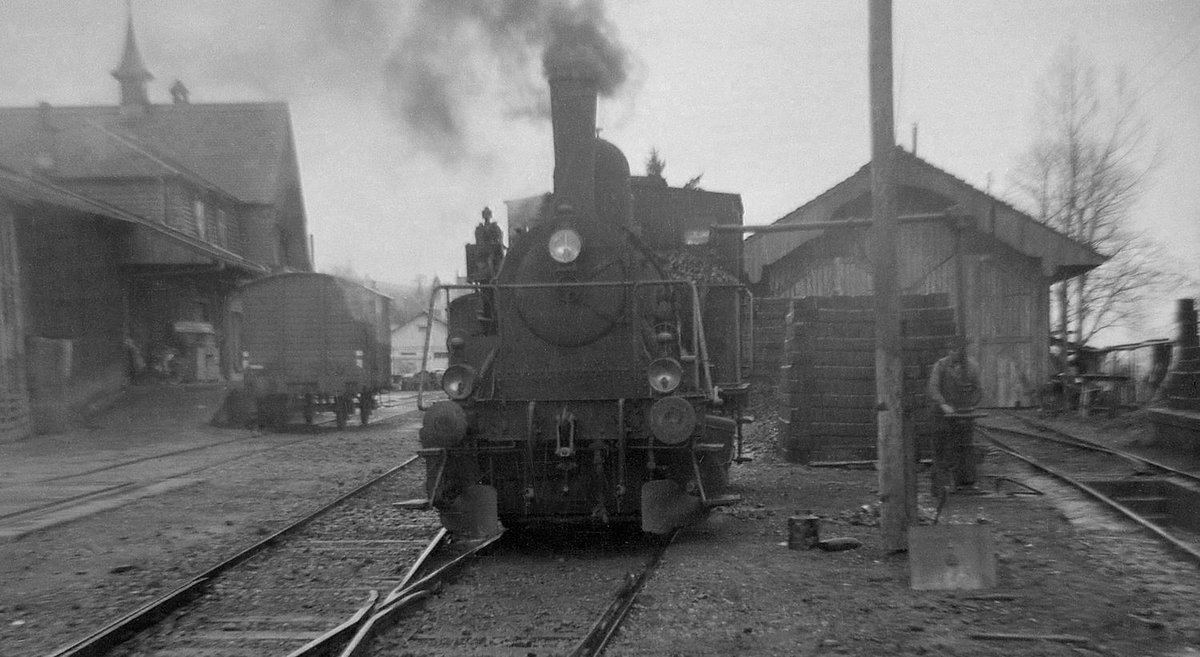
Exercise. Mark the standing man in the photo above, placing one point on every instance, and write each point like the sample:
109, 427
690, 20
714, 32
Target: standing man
954, 390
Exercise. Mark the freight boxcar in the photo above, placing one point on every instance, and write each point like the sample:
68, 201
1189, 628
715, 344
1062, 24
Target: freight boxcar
314, 342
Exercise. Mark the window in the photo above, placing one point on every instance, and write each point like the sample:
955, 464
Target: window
221, 229
201, 220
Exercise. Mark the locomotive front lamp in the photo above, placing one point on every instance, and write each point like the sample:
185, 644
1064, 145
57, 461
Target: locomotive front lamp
565, 245
458, 381
664, 375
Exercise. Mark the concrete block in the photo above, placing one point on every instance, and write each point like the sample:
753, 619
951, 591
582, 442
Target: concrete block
951, 557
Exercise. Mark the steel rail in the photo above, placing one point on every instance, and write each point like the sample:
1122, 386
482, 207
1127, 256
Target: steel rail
1183, 547
108, 637
1071, 441
1076, 441
104, 493
339, 634
423, 557
606, 626
406, 595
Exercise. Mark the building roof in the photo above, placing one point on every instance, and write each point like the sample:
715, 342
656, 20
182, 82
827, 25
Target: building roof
237, 148
1061, 257
25, 190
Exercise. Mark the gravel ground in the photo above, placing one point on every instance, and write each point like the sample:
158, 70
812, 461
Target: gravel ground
103, 566
729, 586
1066, 569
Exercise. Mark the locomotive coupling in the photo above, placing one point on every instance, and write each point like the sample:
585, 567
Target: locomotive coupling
564, 439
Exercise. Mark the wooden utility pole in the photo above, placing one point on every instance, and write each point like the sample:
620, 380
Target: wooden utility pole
897, 465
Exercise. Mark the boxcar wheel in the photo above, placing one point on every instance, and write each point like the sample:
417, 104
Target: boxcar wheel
341, 411
309, 411
365, 403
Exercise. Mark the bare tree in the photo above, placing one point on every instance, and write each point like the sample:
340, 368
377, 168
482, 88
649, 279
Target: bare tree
655, 165
1084, 173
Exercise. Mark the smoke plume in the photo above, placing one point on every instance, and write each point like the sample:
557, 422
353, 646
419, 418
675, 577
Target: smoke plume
452, 49
438, 66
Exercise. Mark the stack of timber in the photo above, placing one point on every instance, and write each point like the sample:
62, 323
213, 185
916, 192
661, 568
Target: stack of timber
827, 378
770, 323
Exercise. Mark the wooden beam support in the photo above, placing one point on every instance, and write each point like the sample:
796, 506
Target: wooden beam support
960, 220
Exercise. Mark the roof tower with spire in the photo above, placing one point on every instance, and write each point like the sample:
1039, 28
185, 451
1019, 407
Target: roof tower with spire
131, 73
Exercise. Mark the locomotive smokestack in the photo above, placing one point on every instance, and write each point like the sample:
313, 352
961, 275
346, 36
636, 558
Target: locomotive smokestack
573, 115
581, 61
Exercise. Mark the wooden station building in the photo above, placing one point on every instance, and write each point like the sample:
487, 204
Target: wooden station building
123, 230
993, 262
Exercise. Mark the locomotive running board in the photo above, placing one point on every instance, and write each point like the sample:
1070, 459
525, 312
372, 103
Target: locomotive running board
723, 500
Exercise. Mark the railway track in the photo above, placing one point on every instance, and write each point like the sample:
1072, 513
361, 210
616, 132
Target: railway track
78, 494
1161, 499
528, 594
281, 593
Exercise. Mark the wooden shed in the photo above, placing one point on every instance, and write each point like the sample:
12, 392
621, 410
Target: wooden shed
994, 262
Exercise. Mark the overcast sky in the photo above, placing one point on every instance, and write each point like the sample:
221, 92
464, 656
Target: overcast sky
767, 99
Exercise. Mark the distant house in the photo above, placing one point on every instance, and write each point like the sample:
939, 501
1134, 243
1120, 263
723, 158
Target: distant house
994, 262
131, 224
408, 346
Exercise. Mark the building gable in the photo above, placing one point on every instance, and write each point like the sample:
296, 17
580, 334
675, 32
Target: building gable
1059, 256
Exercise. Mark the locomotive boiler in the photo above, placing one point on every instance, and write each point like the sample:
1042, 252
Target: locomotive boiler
588, 381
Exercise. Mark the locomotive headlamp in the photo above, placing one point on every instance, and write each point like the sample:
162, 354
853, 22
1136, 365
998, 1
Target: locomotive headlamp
458, 381
664, 375
672, 420
565, 245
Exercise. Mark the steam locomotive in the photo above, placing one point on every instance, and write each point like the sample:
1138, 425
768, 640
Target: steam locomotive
589, 381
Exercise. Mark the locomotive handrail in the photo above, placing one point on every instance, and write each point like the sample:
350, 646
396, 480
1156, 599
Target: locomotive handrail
701, 342
703, 367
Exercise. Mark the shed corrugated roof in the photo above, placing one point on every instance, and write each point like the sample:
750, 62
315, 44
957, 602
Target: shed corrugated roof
237, 147
1061, 256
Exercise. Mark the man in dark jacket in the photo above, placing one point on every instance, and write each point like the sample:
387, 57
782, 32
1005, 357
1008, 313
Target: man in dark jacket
954, 390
